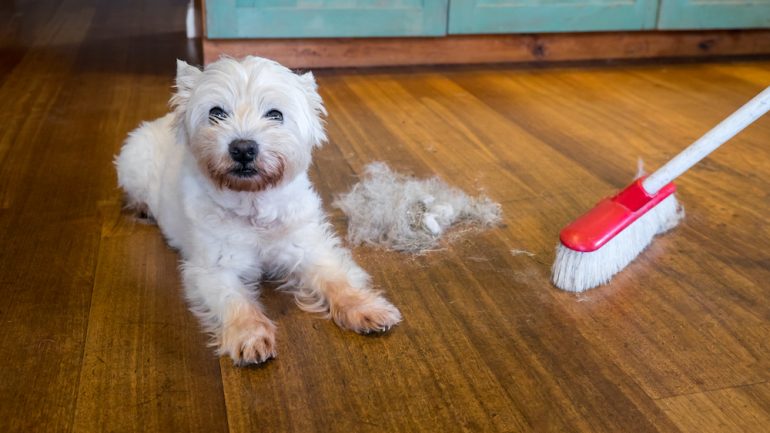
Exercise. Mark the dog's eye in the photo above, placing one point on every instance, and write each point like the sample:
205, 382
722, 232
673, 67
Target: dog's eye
216, 114
274, 115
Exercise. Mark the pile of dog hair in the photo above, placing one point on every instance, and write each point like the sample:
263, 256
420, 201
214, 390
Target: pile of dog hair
407, 214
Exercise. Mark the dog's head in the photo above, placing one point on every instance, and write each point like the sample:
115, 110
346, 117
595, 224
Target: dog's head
251, 124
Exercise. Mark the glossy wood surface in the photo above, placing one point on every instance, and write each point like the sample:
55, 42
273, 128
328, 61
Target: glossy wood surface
511, 48
94, 330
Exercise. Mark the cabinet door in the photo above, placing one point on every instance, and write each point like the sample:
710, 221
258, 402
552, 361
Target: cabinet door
714, 14
526, 16
324, 18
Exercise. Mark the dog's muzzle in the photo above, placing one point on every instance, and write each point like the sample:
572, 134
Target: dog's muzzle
243, 151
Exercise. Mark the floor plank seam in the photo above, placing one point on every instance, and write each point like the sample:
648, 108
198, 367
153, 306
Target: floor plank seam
707, 391
73, 418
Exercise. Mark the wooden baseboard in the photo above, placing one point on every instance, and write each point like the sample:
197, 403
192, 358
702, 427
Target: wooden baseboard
320, 53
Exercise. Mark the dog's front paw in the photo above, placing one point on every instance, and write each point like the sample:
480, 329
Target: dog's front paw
366, 314
248, 337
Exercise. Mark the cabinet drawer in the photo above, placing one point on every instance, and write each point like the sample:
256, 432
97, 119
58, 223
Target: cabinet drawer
324, 18
714, 14
527, 16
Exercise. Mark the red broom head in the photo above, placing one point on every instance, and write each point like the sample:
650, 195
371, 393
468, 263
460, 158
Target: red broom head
611, 216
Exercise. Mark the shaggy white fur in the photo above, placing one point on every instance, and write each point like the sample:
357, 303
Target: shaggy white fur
406, 214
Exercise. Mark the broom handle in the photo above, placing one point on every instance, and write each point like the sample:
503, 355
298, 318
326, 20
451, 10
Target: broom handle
726, 130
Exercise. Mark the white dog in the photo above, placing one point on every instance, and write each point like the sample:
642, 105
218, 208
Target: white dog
225, 177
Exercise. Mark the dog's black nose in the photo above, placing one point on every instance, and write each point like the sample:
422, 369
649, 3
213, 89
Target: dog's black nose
243, 151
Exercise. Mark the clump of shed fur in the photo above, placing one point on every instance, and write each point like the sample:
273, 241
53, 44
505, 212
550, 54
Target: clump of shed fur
406, 214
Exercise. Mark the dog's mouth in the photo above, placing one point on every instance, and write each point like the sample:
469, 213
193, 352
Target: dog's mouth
242, 171
253, 176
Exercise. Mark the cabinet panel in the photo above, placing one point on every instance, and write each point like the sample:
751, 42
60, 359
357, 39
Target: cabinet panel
526, 16
714, 14
324, 18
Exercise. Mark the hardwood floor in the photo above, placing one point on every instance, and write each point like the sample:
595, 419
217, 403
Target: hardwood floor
95, 334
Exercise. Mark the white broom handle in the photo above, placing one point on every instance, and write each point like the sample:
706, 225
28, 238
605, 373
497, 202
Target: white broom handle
726, 130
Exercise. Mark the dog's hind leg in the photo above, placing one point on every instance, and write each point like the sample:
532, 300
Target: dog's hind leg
140, 161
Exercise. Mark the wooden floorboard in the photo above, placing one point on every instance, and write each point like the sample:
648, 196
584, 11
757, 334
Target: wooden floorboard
130, 379
738, 409
95, 334
46, 276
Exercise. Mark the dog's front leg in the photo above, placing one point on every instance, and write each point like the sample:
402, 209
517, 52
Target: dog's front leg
329, 281
230, 312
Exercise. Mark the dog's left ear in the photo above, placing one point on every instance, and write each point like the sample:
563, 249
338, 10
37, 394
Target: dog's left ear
310, 88
186, 76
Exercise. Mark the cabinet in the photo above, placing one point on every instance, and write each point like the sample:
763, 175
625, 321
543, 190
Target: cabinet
713, 14
227, 19
325, 18
538, 16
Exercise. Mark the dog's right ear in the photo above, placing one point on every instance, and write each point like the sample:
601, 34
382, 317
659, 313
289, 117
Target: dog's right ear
186, 76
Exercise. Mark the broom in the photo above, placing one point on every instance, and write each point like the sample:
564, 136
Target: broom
607, 238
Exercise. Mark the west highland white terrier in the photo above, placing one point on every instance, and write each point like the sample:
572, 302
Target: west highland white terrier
224, 174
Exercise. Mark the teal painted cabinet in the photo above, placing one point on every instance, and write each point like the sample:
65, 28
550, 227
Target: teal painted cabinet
714, 14
526, 16
324, 18
376, 18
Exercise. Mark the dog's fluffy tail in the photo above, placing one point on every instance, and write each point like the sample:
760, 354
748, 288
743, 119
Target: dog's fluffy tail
137, 163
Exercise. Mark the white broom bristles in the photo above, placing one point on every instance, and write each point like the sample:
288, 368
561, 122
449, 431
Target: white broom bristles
577, 271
